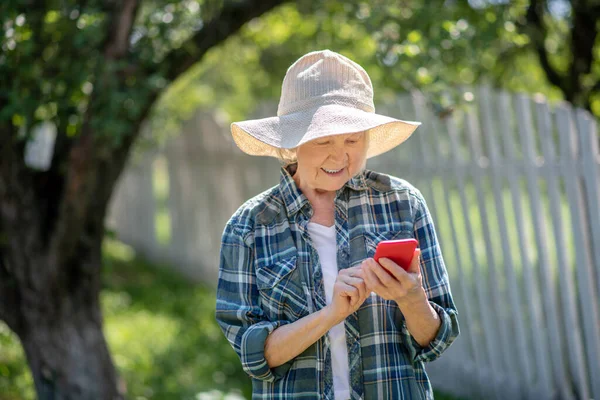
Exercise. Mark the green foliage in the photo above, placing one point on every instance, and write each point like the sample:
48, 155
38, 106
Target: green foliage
55, 57
55, 65
249, 67
435, 47
15, 379
47, 64
438, 46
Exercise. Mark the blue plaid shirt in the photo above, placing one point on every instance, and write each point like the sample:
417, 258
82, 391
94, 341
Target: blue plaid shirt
270, 276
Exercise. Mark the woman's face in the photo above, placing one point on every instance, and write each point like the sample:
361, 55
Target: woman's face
326, 164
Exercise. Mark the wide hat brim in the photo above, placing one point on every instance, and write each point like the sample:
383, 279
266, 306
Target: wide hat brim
263, 137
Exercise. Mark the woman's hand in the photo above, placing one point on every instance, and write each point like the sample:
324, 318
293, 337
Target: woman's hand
392, 282
349, 293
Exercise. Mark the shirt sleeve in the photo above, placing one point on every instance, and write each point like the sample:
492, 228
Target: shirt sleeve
437, 288
238, 311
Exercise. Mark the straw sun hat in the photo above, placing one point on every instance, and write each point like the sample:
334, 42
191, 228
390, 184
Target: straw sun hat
323, 94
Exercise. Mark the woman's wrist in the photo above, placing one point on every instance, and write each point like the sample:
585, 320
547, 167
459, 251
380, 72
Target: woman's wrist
330, 318
410, 300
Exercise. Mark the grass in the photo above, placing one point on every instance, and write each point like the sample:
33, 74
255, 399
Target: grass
161, 332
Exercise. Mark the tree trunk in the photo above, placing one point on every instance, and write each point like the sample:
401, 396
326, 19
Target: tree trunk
65, 347
50, 268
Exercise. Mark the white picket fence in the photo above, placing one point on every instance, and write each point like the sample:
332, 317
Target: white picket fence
514, 189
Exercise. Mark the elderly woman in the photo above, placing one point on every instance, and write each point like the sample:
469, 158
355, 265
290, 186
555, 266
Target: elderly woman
308, 310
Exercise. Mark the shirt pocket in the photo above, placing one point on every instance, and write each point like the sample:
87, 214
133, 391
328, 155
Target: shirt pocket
372, 238
281, 292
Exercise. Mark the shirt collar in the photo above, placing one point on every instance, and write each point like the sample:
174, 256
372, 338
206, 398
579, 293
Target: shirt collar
358, 182
293, 198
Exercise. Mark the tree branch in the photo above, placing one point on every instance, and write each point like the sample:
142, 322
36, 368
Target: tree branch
80, 181
90, 179
583, 38
229, 20
49, 184
119, 29
78, 188
551, 74
8, 295
537, 33
91, 171
15, 179
17, 210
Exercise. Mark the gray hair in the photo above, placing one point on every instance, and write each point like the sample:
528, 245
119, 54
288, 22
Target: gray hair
286, 156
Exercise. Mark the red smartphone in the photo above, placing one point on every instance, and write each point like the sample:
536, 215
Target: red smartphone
399, 251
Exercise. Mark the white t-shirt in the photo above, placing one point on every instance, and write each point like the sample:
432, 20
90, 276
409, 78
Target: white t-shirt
324, 240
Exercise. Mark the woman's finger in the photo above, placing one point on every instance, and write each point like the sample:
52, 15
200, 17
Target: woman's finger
371, 279
359, 273
358, 283
347, 290
365, 293
415, 264
388, 280
353, 270
352, 280
393, 269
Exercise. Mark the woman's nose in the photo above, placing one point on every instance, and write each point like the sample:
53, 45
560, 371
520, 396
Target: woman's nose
338, 154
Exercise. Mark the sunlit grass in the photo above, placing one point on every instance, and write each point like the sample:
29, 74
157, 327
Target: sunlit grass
163, 333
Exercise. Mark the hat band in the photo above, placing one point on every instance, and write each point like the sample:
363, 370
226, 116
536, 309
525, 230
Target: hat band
326, 99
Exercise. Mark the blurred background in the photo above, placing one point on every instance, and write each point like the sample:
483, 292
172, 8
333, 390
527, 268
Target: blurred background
118, 174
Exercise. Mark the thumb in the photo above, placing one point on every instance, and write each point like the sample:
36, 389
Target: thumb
415, 263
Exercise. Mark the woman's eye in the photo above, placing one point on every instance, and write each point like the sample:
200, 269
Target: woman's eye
321, 143
352, 141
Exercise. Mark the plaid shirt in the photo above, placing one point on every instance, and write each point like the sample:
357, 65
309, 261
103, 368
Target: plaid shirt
270, 276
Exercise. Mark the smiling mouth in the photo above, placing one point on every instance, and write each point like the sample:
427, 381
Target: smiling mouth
333, 171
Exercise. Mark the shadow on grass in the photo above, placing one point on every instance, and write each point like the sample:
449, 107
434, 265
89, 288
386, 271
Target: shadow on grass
163, 334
